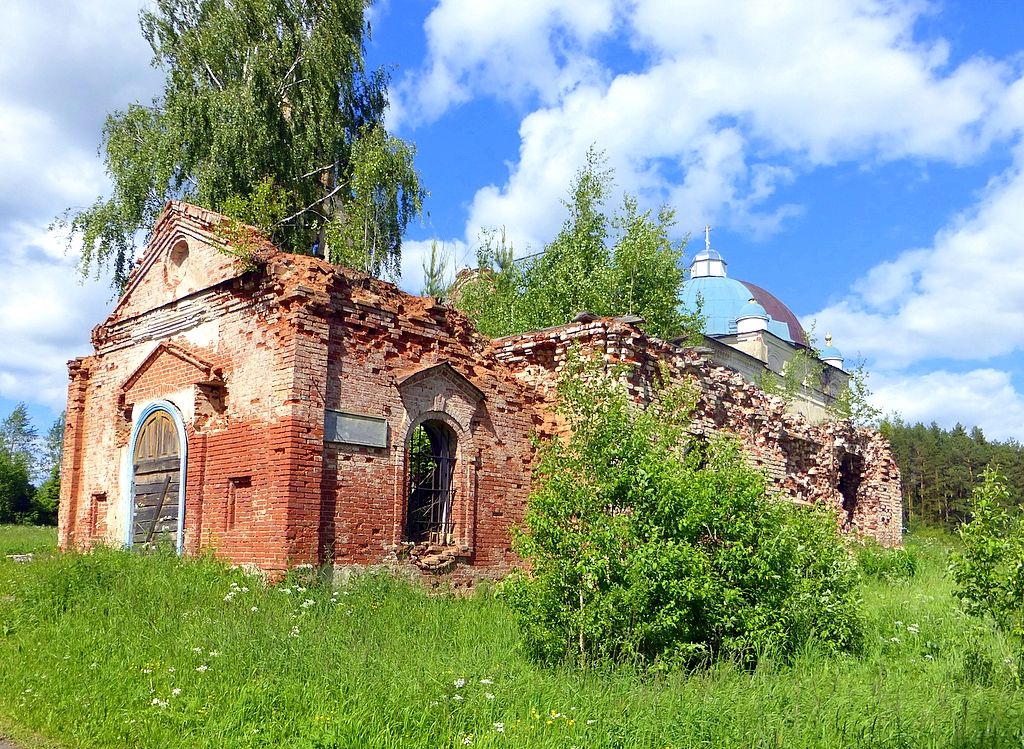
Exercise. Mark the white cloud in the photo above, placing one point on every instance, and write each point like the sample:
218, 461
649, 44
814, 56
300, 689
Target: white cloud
45, 316
958, 299
511, 49
983, 397
62, 70
731, 104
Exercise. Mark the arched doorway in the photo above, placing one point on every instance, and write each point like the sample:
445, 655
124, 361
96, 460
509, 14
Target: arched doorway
431, 469
157, 460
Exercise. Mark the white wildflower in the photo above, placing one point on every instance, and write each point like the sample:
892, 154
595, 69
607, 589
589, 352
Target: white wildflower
244, 589
254, 609
487, 681
214, 654
229, 597
457, 697
460, 683
307, 603
159, 702
147, 670
295, 632
488, 695
197, 650
176, 691
499, 727
468, 740
895, 640
913, 629
170, 670
202, 668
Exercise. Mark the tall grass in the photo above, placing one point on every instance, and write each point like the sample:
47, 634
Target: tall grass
112, 649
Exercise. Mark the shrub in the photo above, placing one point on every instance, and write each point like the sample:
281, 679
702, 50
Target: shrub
989, 569
647, 547
874, 560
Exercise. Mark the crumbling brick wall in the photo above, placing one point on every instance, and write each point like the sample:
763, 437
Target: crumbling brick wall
252, 360
408, 360
808, 464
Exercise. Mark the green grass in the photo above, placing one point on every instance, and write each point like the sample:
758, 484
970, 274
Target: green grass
27, 539
93, 647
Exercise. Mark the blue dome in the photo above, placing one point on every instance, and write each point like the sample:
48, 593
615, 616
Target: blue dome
721, 298
726, 299
829, 351
752, 309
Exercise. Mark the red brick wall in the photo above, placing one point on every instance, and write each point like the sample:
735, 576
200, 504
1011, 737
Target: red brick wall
378, 337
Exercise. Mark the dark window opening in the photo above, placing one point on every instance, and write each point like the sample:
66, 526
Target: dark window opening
239, 490
431, 465
97, 512
851, 468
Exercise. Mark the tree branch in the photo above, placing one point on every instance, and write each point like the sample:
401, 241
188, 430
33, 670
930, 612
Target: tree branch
311, 206
213, 77
319, 170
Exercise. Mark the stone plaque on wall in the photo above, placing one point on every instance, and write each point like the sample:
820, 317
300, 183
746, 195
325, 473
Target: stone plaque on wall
355, 429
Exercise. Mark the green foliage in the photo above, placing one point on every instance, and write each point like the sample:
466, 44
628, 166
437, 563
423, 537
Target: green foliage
18, 436
434, 270
53, 444
639, 553
15, 489
46, 499
421, 453
384, 196
268, 114
989, 569
24, 458
853, 400
27, 539
623, 265
940, 469
799, 374
876, 561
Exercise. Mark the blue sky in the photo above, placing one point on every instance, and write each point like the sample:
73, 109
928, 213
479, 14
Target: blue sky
861, 159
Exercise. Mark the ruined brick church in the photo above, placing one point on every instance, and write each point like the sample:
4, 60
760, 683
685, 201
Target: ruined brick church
283, 411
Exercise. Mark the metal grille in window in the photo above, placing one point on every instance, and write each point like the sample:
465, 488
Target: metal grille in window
431, 485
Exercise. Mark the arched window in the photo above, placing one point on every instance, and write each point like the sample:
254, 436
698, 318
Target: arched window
431, 469
156, 480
